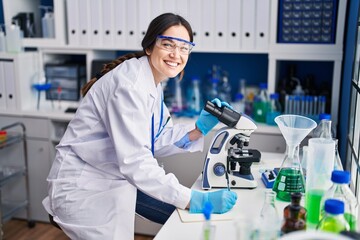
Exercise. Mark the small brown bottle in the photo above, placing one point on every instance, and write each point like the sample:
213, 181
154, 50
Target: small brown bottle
295, 201
294, 215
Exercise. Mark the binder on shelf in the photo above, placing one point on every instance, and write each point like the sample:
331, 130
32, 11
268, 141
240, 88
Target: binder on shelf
2, 87
120, 22
95, 19
143, 20
131, 34
84, 20
207, 23
156, 11
169, 6
221, 10
248, 16
107, 12
9, 76
181, 8
195, 13
72, 12
262, 37
234, 24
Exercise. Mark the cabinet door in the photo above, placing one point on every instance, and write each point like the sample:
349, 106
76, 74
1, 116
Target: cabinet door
39, 163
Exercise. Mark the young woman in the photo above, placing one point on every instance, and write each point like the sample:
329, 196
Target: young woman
105, 168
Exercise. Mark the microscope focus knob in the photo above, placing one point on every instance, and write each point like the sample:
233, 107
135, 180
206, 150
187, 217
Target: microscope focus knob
219, 169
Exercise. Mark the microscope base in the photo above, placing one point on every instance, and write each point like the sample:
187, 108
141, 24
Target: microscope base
235, 182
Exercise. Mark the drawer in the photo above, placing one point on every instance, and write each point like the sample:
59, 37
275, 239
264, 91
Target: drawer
65, 71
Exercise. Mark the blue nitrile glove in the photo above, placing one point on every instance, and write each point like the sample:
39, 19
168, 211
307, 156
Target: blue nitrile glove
207, 121
222, 200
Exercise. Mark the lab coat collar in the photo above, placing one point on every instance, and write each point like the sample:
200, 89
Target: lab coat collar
150, 81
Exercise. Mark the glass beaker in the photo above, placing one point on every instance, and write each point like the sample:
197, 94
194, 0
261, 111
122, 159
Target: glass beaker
290, 178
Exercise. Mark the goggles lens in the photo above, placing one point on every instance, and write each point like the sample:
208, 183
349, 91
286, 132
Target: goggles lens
171, 43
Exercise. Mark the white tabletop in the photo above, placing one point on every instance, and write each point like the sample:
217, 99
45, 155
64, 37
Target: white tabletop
248, 205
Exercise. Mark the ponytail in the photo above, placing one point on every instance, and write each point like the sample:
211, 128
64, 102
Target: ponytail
107, 68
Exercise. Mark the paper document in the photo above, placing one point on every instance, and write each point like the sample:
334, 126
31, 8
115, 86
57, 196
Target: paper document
185, 216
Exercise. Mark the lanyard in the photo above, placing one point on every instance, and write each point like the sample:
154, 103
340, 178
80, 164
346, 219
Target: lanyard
160, 126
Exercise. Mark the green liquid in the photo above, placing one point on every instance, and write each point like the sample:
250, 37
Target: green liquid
351, 220
312, 205
331, 224
259, 111
288, 180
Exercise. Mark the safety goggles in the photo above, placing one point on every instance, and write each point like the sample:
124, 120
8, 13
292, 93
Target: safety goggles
171, 43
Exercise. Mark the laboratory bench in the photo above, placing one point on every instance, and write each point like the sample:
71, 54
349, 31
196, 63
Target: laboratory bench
248, 207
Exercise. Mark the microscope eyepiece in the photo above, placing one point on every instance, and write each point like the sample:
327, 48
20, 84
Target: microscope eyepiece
225, 115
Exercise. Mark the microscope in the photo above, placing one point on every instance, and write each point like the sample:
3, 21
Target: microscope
227, 163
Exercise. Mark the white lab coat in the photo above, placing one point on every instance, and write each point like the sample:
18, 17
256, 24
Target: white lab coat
105, 155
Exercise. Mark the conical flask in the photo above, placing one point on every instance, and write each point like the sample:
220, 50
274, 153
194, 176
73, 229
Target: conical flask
290, 178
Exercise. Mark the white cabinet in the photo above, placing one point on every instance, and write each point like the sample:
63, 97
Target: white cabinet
13, 7
39, 167
17, 71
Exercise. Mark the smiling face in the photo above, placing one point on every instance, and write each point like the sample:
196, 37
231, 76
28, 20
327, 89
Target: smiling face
165, 64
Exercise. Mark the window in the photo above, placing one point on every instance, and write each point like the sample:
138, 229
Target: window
353, 137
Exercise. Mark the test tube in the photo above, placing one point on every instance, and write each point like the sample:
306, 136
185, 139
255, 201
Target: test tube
303, 101
296, 104
316, 108
322, 103
307, 100
286, 110
291, 104
311, 105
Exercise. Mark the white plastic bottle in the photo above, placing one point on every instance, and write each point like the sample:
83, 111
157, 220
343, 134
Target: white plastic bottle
13, 38
239, 104
177, 105
47, 23
274, 109
2, 40
225, 88
194, 96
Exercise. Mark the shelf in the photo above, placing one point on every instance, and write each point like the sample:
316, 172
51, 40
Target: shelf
10, 208
12, 199
12, 138
9, 173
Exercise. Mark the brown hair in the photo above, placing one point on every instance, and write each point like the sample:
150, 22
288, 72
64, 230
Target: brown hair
157, 26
